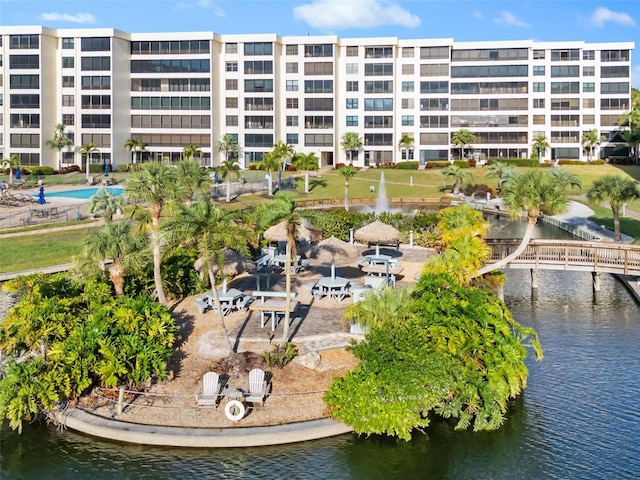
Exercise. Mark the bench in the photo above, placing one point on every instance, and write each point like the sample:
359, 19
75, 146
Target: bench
385, 244
203, 302
271, 305
263, 262
315, 290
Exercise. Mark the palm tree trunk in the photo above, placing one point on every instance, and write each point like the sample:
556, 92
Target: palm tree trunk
270, 184
616, 224
287, 300
116, 275
306, 181
346, 196
229, 189
523, 245
218, 305
157, 273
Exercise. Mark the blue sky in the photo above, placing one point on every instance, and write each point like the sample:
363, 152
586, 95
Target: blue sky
463, 20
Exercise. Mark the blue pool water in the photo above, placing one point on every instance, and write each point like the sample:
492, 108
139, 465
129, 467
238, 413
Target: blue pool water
83, 193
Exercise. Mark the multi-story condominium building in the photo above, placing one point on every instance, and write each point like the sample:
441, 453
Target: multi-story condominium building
177, 89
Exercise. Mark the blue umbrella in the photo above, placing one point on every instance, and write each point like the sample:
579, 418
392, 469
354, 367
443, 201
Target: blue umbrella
18, 173
41, 200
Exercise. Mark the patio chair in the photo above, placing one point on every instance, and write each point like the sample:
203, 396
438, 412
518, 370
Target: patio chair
202, 303
256, 387
244, 302
208, 391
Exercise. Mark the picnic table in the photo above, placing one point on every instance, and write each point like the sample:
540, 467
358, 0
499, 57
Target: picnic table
272, 305
335, 287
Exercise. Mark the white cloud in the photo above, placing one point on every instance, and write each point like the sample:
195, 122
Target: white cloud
342, 14
205, 4
510, 19
603, 15
67, 17
477, 14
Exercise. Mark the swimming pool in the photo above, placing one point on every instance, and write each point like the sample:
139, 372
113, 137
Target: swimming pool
82, 193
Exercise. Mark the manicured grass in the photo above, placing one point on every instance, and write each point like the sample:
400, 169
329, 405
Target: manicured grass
604, 217
43, 250
46, 226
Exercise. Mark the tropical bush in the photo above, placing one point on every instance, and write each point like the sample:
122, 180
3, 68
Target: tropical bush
461, 163
280, 355
451, 351
408, 165
518, 162
437, 164
65, 336
41, 170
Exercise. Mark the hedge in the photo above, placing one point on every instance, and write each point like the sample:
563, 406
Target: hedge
518, 162
37, 170
407, 165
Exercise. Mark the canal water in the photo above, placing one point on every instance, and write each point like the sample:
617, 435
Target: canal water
578, 418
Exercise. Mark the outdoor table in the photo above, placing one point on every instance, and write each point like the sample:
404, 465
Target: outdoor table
335, 287
281, 260
229, 299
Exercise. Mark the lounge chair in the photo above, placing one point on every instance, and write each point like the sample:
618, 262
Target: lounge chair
207, 393
256, 389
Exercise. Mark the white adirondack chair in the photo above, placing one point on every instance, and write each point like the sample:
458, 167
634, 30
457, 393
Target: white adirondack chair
208, 391
257, 387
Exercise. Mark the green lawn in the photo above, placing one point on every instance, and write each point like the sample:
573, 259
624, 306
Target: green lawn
41, 250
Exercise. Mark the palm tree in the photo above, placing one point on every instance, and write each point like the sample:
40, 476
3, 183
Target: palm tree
502, 171
270, 163
540, 145
538, 192
347, 172
210, 230
283, 152
134, 145
306, 162
107, 201
87, 150
458, 175
229, 168
229, 145
590, 140
59, 142
351, 142
154, 185
406, 142
193, 179
616, 190
462, 138
115, 247
190, 152
11, 163
632, 139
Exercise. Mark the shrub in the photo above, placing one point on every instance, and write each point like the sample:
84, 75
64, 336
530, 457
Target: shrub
567, 161
292, 168
280, 355
41, 170
479, 190
252, 166
461, 163
518, 162
472, 162
597, 162
407, 165
123, 167
338, 166
96, 168
69, 169
620, 160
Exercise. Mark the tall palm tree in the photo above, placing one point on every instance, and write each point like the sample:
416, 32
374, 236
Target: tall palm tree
540, 145
210, 230
229, 168
406, 142
351, 142
193, 180
11, 163
229, 145
270, 163
347, 172
154, 185
87, 150
115, 247
59, 142
190, 152
632, 139
107, 201
590, 140
457, 175
306, 162
283, 152
616, 190
134, 145
538, 192
462, 138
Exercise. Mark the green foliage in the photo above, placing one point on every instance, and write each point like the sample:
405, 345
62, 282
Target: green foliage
337, 223
517, 162
461, 163
73, 335
96, 168
407, 165
41, 170
452, 351
280, 355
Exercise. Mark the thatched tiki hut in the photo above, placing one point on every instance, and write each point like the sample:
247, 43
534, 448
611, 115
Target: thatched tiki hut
377, 232
333, 249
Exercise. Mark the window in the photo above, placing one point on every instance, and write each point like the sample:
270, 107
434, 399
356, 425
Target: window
318, 86
378, 52
292, 85
589, 87
565, 55
231, 48
434, 53
24, 101
407, 120
565, 104
95, 101
322, 50
25, 120
378, 104
434, 70
95, 63
318, 121
614, 55
318, 104
434, 139
292, 67
232, 66
231, 120
352, 86
318, 140
407, 86
588, 55
614, 104
538, 103
170, 66
67, 43
292, 138
67, 62
588, 71
434, 87
538, 70
292, 103
352, 103
352, 51
25, 62
408, 52
538, 87
258, 85
318, 68
232, 102
17, 82
68, 119
610, 120
588, 119
95, 44
352, 121
489, 88
378, 121
291, 49
473, 71
434, 121
231, 84
441, 104
100, 82
68, 81
615, 72
538, 54
378, 86
378, 69
259, 103
258, 140
407, 103
538, 120
292, 120
258, 48
68, 101
24, 140
378, 139
565, 87
565, 120
565, 71
18, 42
588, 103
352, 68
183, 47
258, 67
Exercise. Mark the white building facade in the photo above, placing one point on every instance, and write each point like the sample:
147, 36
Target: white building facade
177, 89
